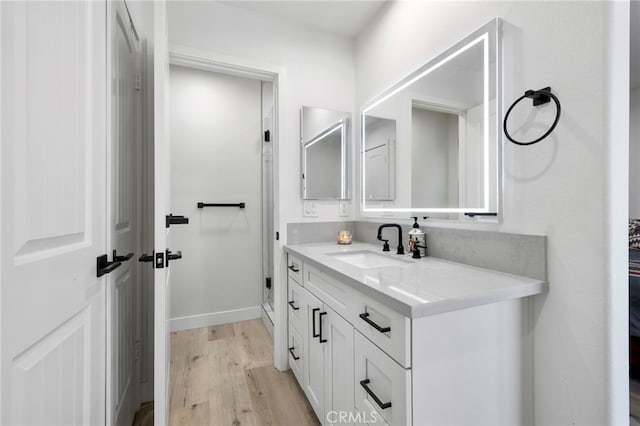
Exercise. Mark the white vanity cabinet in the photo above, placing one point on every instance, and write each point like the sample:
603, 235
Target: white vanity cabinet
324, 363
361, 357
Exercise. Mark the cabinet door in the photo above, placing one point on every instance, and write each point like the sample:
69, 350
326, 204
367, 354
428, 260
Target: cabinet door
313, 355
295, 302
382, 386
296, 354
338, 365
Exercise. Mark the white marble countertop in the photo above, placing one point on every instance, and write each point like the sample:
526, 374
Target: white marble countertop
421, 287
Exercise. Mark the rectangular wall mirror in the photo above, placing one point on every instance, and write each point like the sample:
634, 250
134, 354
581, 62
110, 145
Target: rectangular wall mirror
325, 146
431, 143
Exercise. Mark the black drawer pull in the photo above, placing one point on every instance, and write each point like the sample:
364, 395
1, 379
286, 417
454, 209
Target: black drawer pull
295, 308
320, 321
313, 322
293, 268
292, 354
366, 319
383, 405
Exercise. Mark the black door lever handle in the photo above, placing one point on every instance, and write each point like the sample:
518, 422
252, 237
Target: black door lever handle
103, 266
145, 258
173, 256
117, 258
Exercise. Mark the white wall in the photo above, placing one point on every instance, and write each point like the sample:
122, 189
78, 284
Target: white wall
216, 156
561, 187
634, 155
318, 67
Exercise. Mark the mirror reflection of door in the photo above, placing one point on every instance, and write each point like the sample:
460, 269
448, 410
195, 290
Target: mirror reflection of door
379, 164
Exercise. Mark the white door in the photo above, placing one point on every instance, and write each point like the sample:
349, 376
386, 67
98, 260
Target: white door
53, 226
123, 384
377, 181
161, 209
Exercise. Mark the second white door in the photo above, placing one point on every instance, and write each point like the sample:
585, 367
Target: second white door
122, 293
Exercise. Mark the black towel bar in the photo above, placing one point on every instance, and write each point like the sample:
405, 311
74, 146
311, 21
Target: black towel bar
239, 205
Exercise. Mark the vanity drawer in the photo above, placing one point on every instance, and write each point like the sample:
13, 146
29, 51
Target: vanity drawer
294, 268
296, 354
382, 387
295, 301
385, 327
337, 295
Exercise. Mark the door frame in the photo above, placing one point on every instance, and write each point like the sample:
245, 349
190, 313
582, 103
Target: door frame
241, 67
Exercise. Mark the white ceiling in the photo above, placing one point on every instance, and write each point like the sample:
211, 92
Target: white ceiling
344, 18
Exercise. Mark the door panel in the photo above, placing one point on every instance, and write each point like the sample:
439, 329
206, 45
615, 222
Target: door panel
53, 211
123, 387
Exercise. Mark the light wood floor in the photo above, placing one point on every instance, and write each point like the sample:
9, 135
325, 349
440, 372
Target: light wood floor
224, 375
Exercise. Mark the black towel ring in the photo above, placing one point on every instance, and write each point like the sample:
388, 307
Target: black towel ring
540, 97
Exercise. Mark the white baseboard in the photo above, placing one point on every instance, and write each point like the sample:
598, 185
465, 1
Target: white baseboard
215, 318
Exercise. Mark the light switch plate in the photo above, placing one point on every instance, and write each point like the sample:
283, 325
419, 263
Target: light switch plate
309, 208
343, 208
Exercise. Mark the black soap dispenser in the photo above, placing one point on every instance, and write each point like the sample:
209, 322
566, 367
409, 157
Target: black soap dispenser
417, 240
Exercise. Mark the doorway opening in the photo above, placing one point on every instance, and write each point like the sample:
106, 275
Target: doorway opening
221, 177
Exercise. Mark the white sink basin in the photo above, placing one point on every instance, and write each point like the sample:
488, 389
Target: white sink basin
369, 259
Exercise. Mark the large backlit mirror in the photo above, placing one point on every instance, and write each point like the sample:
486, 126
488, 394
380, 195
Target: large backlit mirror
325, 145
431, 142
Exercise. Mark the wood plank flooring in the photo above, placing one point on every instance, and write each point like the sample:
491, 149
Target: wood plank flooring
224, 375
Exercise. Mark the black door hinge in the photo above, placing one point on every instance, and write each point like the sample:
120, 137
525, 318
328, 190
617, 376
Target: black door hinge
268, 282
277, 236
267, 136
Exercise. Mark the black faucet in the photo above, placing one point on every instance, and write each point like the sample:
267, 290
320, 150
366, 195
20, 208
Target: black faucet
386, 242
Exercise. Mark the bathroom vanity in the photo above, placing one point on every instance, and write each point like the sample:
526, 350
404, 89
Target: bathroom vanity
380, 338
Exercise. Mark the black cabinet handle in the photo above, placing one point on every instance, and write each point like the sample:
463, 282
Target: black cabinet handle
293, 268
103, 266
117, 258
295, 308
320, 321
366, 319
292, 354
313, 321
145, 258
383, 405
